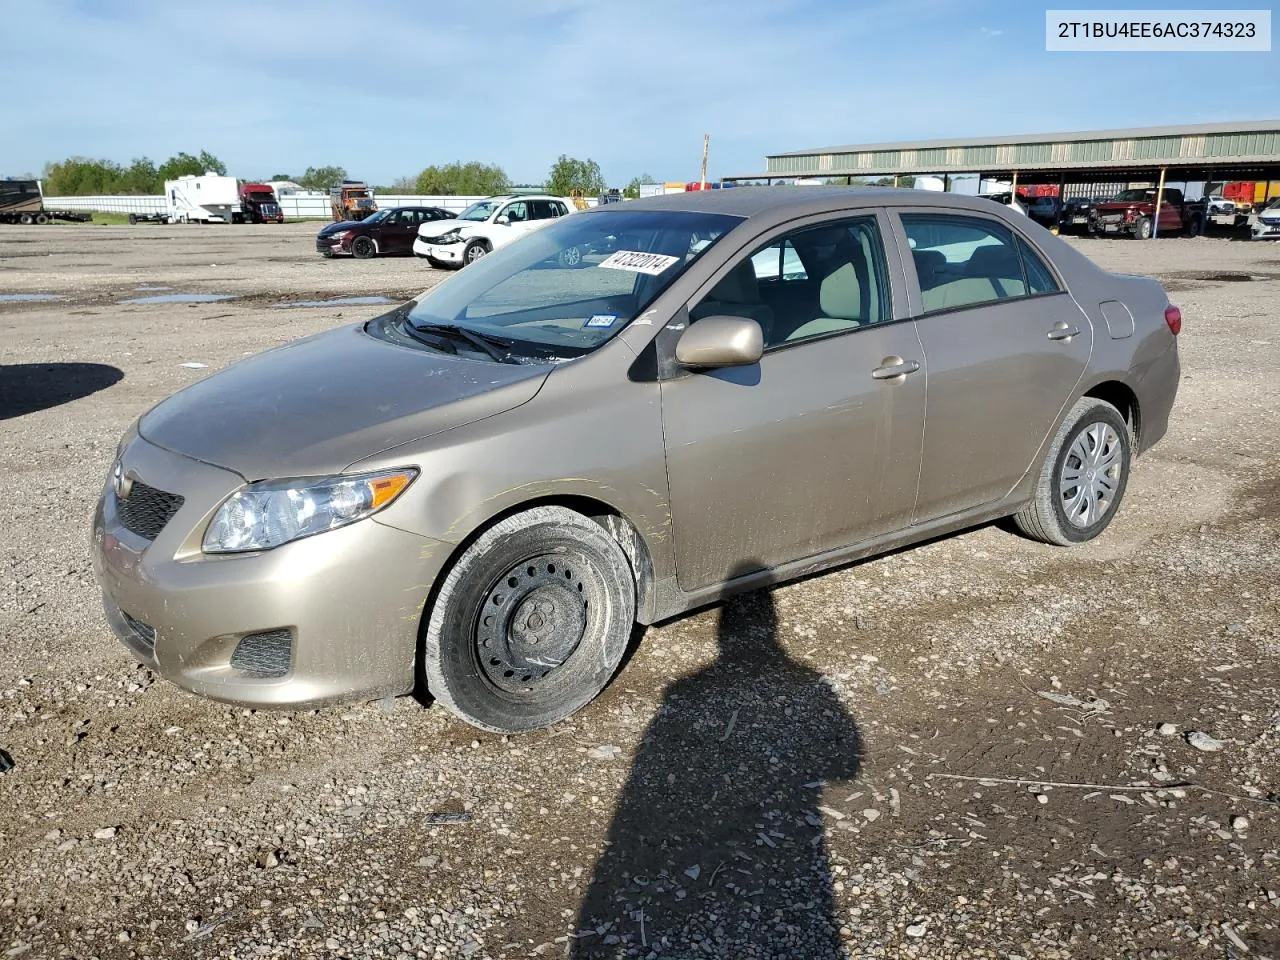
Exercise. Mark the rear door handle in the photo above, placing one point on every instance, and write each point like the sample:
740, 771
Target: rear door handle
1063, 331
892, 368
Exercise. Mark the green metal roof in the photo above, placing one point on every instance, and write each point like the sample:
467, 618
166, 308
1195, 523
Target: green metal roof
1199, 146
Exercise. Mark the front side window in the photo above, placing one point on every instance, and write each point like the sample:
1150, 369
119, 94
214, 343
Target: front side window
808, 283
516, 212
963, 261
564, 289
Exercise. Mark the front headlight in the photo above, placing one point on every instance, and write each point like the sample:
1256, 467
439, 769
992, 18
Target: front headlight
447, 239
266, 515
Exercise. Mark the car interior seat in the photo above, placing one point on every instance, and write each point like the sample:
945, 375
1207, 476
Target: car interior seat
846, 294
737, 295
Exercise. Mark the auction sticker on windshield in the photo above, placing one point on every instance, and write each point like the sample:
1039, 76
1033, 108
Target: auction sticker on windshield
638, 262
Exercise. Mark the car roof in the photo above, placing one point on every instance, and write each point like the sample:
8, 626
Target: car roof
762, 201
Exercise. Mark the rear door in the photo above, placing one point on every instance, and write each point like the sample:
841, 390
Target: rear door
1006, 346
818, 445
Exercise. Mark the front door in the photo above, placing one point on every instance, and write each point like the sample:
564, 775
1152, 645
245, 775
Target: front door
1006, 348
818, 445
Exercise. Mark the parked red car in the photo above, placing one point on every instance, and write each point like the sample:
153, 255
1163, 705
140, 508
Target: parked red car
391, 230
1132, 212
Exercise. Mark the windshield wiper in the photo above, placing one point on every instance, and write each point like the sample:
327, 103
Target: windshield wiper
486, 343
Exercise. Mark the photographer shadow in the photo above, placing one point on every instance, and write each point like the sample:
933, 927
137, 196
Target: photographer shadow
717, 847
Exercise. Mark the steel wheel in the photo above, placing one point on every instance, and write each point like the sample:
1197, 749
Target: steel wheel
533, 620
1091, 474
530, 622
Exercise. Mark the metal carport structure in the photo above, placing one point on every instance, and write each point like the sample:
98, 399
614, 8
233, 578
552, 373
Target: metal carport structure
1245, 150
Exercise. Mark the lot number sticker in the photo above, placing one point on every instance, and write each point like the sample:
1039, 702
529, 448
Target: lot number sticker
637, 262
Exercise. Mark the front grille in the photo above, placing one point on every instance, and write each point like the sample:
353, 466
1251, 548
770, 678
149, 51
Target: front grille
265, 655
146, 510
143, 633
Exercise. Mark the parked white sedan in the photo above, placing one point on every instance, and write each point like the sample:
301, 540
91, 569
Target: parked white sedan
484, 227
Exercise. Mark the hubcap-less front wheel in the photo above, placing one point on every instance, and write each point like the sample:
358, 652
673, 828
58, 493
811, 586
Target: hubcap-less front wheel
532, 621
1091, 474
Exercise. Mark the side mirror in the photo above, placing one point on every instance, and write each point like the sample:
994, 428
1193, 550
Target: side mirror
503, 220
721, 341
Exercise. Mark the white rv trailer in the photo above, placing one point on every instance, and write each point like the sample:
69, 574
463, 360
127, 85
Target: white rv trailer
206, 199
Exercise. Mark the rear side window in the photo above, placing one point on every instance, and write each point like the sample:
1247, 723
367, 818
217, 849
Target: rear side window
1039, 279
963, 261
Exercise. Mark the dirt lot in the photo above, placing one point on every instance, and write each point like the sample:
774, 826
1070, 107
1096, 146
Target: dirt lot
976, 748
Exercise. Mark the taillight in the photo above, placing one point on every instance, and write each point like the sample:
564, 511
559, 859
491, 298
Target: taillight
1173, 317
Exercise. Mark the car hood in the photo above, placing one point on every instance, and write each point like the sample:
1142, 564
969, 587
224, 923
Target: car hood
338, 227
317, 405
438, 228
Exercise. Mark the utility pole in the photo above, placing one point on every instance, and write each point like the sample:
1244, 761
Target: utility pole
706, 143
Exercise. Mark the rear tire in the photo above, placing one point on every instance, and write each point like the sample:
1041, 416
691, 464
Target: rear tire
1083, 478
25, 219
531, 621
133, 219
42, 218
362, 248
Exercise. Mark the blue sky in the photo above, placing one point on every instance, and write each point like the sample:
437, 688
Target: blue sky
387, 87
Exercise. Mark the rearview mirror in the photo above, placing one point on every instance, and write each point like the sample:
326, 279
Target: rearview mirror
721, 341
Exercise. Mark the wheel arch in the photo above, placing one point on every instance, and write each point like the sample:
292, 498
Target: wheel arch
1123, 397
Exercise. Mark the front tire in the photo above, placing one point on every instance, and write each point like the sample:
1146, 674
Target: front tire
570, 257
1142, 229
1083, 478
531, 621
362, 248
474, 251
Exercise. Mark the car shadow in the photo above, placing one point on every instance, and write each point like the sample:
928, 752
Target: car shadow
718, 844
30, 387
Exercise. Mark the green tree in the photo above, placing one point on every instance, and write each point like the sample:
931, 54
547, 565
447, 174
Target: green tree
281, 176
322, 178
142, 177
633, 188
82, 177
469, 179
569, 175
185, 165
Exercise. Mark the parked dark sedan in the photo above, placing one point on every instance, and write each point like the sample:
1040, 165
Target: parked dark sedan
389, 231
1075, 212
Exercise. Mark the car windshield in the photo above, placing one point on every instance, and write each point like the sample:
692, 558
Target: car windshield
1273, 205
261, 196
380, 215
565, 289
1136, 195
479, 210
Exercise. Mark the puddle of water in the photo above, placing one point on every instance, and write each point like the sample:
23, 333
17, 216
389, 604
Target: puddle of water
27, 297
339, 302
182, 298
147, 286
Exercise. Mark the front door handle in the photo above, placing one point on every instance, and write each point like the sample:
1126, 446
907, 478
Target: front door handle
1063, 331
894, 368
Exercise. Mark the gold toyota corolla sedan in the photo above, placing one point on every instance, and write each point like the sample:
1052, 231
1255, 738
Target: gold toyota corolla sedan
479, 493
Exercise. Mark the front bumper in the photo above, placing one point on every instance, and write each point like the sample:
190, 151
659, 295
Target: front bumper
1262, 230
450, 253
349, 601
329, 245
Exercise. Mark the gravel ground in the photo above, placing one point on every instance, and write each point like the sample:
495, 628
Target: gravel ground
981, 747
